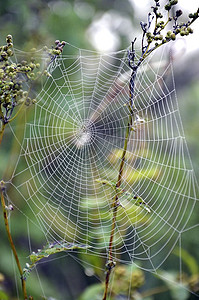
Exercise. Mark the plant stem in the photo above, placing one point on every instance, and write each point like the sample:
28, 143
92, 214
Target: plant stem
5, 215
2, 132
111, 264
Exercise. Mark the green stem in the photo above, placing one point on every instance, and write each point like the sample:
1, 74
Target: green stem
2, 132
5, 215
3, 124
111, 263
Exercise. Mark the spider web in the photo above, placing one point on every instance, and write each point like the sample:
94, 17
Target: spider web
72, 147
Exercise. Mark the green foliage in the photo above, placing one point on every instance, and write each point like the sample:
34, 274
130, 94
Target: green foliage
48, 250
126, 282
18, 96
3, 296
94, 292
188, 260
134, 199
14, 76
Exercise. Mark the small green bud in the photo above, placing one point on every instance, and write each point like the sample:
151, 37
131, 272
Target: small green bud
10, 45
28, 69
167, 7
189, 29
32, 66
9, 52
169, 33
173, 36
4, 55
47, 74
56, 52
11, 84
182, 32
174, 2
37, 65
9, 38
5, 48
149, 35
159, 15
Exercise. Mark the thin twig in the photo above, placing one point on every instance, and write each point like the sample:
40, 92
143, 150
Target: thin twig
111, 264
2, 132
5, 215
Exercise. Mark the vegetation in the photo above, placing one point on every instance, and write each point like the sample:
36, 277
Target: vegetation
16, 83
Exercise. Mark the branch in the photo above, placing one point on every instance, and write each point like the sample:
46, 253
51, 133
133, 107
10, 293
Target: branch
5, 216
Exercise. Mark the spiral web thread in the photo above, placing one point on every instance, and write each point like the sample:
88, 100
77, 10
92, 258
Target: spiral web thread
74, 140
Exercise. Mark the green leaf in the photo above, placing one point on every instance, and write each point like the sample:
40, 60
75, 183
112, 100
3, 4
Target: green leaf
94, 292
132, 176
188, 259
49, 249
3, 295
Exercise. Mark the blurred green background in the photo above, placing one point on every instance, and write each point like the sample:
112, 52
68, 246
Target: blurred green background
97, 25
